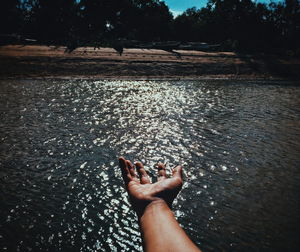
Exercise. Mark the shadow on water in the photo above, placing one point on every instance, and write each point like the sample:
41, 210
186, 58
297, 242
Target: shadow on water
61, 188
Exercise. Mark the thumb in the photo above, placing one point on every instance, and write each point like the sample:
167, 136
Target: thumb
177, 171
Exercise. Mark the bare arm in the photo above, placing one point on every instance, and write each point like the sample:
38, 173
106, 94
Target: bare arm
152, 203
161, 231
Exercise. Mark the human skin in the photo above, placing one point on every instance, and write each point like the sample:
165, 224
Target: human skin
152, 202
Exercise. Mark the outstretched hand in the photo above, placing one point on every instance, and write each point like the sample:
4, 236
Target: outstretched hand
142, 192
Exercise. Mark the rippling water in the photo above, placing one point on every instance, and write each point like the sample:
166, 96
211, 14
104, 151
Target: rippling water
61, 188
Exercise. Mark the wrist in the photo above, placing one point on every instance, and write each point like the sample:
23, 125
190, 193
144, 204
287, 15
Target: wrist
153, 208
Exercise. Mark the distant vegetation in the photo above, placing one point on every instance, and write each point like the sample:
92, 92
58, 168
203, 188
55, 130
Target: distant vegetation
235, 24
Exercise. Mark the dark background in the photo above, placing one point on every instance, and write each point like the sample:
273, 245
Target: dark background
235, 24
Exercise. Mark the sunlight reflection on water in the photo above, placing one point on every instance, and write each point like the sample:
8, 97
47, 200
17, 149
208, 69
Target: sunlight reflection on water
60, 183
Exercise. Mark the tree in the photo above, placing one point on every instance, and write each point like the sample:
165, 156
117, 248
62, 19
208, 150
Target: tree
51, 21
10, 16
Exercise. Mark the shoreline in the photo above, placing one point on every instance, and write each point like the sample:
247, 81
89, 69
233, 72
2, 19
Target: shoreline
51, 62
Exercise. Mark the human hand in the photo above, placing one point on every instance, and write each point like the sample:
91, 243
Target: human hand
142, 192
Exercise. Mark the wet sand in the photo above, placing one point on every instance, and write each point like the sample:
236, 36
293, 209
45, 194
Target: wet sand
32, 61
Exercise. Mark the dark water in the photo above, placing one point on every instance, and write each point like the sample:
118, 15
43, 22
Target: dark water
61, 188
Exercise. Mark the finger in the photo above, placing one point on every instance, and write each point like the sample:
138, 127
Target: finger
144, 178
177, 171
161, 171
131, 169
124, 169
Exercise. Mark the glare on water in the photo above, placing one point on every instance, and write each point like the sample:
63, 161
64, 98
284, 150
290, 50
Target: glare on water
61, 188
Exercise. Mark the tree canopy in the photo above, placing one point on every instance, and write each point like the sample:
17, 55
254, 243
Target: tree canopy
244, 23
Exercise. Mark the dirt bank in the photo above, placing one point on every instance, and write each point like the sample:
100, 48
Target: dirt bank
18, 61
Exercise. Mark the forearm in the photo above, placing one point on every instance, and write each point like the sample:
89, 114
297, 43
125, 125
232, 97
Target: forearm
161, 231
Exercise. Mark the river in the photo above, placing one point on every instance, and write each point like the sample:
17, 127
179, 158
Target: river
61, 188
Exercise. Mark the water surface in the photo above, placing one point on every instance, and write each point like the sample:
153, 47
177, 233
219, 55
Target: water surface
61, 188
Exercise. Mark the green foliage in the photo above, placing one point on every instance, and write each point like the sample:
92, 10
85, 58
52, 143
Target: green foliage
236, 24
242, 24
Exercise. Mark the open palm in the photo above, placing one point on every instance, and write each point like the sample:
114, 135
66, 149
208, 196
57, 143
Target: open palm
142, 192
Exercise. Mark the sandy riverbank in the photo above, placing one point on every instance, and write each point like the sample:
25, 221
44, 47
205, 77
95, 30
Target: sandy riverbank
18, 61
